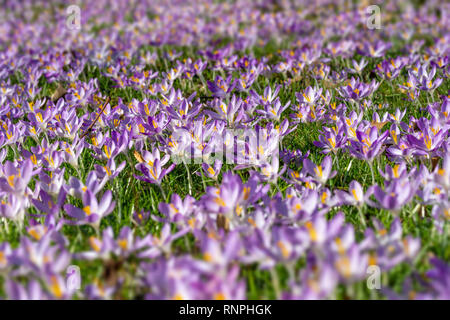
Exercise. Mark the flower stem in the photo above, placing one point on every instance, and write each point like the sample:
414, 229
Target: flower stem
361, 216
186, 243
203, 181
5, 222
275, 283
163, 193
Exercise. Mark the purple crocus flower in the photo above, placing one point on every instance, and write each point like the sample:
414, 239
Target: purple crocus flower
154, 173
93, 211
425, 78
394, 196
268, 96
317, 282
77, 188
151, 166
214, 170
160, 245
355, 196
220, 87
310, 96
358, 67
16, 177
231, 113
178, 210
331, 139
357, 90
429, 138
274, 110
368, 144
439, 277
33, 291
374, 50
351, 265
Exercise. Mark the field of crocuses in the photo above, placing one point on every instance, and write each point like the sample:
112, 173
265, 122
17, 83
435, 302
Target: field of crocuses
224, 150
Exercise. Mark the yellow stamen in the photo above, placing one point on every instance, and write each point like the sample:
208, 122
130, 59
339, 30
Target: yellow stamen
284, 250
87, 210
312, 231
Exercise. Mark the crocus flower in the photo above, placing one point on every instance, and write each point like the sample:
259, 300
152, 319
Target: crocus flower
390, 69
13, 207
268, 96
425, 78
103, 248
358, 66
219, 253
160, 245
394, 197
271, 171
439, 277
374, 50
367, 145
320, 173
220, 87
33, 291
429, 138
5, 253
77, 188
331, 139
310, 96
357, 90
442, 174
93, 211
231, 112
351, 265
110, 170
355, 196
154, 173
212, 171
16, 177
398, 171
179, 211
317, 282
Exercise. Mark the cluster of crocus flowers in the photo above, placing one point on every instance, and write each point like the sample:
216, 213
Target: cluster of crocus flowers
181, 170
